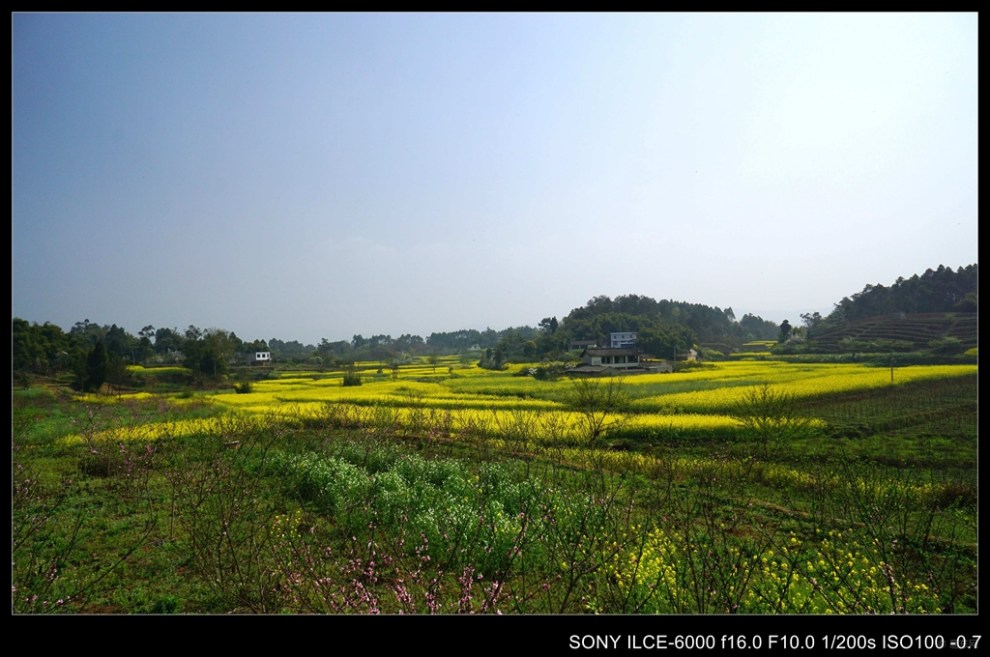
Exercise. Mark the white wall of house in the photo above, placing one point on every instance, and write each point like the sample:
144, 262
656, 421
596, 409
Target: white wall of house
616, 360
622, 339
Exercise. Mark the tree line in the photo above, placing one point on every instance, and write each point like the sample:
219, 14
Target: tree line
97, 353
940, 290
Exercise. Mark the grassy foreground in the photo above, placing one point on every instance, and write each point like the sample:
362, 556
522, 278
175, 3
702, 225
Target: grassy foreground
751, 487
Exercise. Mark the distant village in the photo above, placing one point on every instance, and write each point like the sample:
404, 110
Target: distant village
621, 356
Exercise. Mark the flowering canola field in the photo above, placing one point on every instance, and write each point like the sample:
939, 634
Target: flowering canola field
471, 399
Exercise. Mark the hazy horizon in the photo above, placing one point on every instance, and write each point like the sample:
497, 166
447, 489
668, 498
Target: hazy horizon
308, 176
794, 319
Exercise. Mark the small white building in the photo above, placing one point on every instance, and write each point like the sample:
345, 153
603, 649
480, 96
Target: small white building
259, 358
622, 339
615, 358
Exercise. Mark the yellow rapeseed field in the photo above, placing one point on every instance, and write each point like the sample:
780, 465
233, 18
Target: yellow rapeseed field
471, 399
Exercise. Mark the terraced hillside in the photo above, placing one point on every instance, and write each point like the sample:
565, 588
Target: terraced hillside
917, 329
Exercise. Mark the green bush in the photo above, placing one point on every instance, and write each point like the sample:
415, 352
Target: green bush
351, 377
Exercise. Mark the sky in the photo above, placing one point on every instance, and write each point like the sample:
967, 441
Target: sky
309, 176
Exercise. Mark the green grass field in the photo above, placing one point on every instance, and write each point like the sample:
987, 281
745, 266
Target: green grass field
751, 486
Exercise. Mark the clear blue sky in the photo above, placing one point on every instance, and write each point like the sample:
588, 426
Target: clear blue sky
321, 175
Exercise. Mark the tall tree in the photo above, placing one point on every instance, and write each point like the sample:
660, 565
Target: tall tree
210, 353
145, 348
95, 371
168, 341
785, 331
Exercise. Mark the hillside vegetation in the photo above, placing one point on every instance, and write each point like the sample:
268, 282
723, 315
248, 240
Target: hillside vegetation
902, 332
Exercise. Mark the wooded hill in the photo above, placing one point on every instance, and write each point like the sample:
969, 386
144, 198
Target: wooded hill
936, 291
937, 332
935, 313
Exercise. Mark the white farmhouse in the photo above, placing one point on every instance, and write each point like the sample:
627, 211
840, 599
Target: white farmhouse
259, 358
622, 339
616, 358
